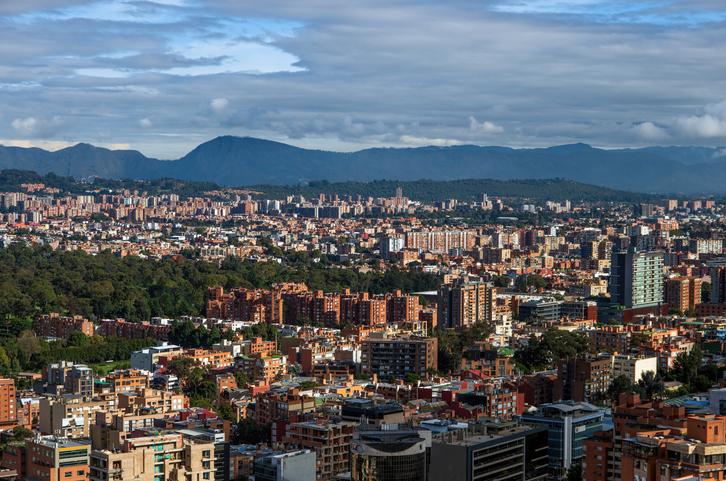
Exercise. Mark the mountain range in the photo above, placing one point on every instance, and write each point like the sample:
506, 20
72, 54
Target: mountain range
241, 161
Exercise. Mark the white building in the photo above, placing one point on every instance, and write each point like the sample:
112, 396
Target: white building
633, 367
147, 359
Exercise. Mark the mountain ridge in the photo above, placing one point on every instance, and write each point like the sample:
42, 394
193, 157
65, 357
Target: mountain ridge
236, 161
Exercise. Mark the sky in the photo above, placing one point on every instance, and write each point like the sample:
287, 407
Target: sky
162, 76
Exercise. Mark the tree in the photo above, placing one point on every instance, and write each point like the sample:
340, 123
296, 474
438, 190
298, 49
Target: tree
542, 352
241, 378
527, 282
502, 281
249, 432
452, 344
575, 472
686, 366
650, 385
29, 345
619, 385
181, 367
412, 378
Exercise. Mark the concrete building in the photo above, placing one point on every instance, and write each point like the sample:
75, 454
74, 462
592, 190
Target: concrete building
633, 367
636, 279
147, 359
717, 271
290, 466
71, 416
67, 377
330, 441
155, 456
464, 302
484, 454
8, 404
390, 453
568, 425
79, 380
53, 458
540, 310
583, 379
368, 411
398, 356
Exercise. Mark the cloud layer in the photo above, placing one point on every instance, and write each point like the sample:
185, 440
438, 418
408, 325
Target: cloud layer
164, 75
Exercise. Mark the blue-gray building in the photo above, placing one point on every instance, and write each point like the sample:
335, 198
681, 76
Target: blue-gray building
568, 424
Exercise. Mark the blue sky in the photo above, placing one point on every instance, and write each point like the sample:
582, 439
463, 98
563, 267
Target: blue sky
162, 76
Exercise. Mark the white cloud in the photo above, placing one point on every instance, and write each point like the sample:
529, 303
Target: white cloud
650, 132
425, 141
703, 126
36, 126
486, 127
710, 125
41, 144
25, 126
145, 123
219, 104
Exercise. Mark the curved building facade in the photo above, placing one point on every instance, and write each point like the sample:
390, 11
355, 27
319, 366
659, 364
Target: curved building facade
389, 455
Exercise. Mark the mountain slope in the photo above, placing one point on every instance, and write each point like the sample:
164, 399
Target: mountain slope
234, 161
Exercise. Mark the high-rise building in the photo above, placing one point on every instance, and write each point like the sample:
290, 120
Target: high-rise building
389, 244
583, 378
331, 442
8, 404
717, 270
568, 425
683, 293
463, 303
636, 279
390, 453
482, 454
398, 356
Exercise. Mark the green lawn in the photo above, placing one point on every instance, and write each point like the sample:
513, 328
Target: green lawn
104, 368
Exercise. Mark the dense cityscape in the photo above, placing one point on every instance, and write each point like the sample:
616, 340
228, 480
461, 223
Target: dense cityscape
231, 336
371, 240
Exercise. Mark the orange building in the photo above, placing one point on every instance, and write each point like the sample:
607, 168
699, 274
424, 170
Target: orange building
127, 380
402, 307
8, 404
683, 293
207, 358
56, 459
55, 325
262, 348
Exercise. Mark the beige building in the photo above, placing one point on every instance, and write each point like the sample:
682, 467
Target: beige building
71, 416
151, 400
330, 441
155, 456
